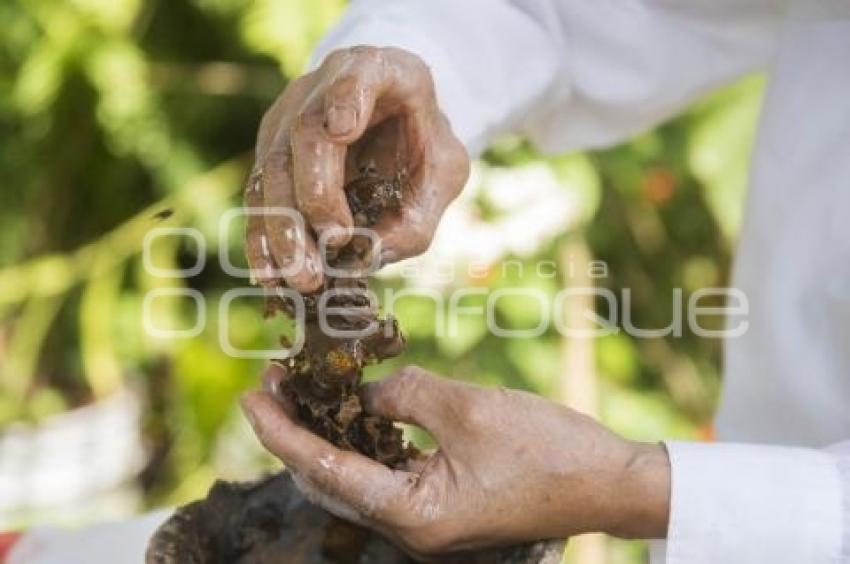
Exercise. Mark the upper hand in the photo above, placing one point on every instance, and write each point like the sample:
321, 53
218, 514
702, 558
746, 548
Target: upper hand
364, 109
510, 467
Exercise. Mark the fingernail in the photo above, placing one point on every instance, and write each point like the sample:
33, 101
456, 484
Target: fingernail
271, 386
341, 120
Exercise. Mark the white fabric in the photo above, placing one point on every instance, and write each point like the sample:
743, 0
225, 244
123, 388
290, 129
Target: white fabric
769, 493
572, 74
111, 543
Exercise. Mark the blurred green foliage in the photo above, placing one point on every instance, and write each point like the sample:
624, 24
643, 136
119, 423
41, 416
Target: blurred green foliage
114, 110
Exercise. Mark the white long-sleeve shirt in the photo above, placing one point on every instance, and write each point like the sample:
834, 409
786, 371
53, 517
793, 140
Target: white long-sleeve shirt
575, 74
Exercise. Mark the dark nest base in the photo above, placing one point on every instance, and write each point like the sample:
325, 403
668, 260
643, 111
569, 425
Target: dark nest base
270, 522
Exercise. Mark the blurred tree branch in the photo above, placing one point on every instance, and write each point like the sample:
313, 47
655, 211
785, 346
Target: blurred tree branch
55, 274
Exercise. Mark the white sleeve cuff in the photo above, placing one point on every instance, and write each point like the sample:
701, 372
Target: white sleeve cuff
841, 451
736, 503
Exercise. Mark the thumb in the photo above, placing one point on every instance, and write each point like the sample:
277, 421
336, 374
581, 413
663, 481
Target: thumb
370, 488
414, 395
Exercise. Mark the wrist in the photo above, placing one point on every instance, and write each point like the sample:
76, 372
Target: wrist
642, 505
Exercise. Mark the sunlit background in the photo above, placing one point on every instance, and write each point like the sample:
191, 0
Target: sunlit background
114, 111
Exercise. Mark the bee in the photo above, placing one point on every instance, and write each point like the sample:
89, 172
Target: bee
162, 215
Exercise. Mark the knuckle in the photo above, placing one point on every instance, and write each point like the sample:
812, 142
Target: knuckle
335, 57
425, 80
419, 227
403, 388
477, 410
409, 377
454, 168
458, 164
410, 60
422, 77
417, 78
368, 53
337, 54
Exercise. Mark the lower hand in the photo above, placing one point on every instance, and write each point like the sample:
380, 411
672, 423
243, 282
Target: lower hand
510, 467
